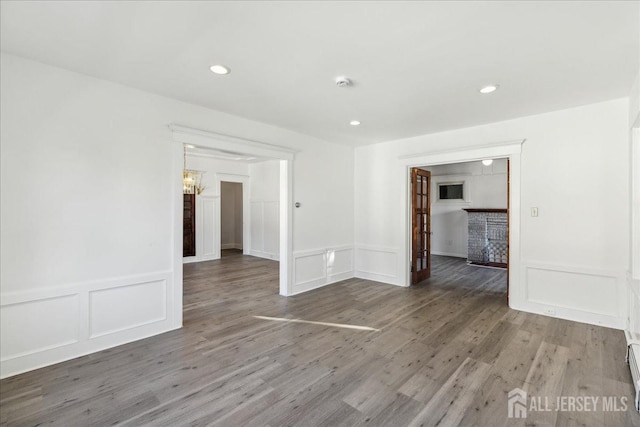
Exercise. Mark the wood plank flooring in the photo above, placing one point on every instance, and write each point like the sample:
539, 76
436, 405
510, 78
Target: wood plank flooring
445, 353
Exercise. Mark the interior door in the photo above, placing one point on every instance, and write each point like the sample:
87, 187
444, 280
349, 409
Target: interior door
189, 225
421, 225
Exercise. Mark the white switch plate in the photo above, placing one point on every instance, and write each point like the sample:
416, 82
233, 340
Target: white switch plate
534, 211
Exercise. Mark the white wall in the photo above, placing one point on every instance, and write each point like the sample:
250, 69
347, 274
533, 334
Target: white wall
484, 186
231, 215
89, 181
574, 168
324, 187
265, 209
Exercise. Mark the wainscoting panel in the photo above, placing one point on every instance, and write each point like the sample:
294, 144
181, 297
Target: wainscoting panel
116, 309
321, 267
271, 228
580, 294
377, 263
257, 218
265, 229
35, 326
41, 327
633, 293
208, 228
207, 239
310, 270
339, 264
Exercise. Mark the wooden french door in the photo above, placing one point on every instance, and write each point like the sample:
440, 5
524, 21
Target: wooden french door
421, 225
189, 225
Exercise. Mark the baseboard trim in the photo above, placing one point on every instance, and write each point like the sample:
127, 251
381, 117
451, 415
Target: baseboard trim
265, 255
317, 284
452, 254
388, 279
570, 314
192, 259
230, 246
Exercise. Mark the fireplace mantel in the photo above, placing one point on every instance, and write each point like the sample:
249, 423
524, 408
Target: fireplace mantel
487, 210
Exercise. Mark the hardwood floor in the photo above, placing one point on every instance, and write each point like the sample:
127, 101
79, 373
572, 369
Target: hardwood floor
445, 352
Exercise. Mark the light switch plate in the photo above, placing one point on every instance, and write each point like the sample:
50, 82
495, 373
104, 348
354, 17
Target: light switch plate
534, 211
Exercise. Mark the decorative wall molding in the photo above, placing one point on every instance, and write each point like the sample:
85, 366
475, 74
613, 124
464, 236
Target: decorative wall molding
234, 144
207, 238
377, 263
597, 296
633, 295
70, 321
321, 267
502, 149
265, 228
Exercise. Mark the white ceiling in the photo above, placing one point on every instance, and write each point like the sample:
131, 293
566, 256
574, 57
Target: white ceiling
417, 66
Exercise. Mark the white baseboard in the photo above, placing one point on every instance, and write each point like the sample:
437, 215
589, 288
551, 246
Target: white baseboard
377, 263
231, 246
199, 258
309, 286
377, 277
569, 314
266, 255
453, 254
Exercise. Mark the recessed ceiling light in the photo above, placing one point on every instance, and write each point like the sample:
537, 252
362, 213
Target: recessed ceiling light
489, 89
354, 123
190, 146
487, 162
220, 69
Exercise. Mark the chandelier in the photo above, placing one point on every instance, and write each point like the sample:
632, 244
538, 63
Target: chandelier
191, 179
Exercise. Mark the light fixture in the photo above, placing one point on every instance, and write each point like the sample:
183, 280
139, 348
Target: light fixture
354, 123
191, 179
220, 69
487, 162
489, 89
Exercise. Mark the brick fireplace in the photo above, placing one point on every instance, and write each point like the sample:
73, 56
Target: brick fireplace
488, 237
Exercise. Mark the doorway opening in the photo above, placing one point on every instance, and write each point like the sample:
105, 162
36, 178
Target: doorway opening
460, 222
230, 146
420, 225
231, 217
